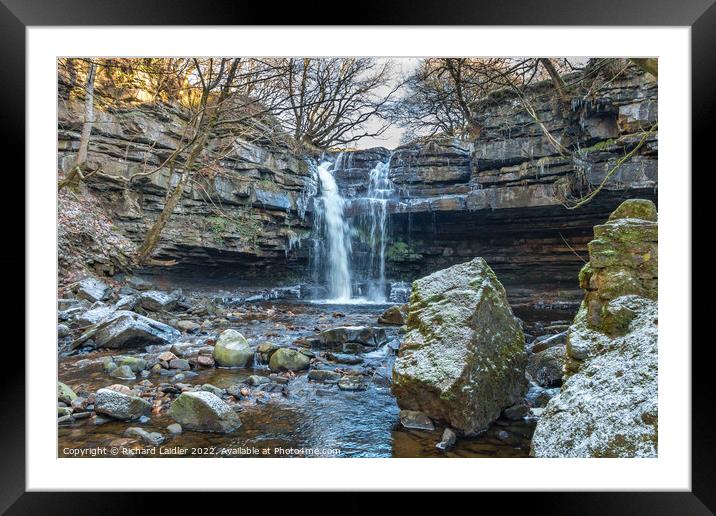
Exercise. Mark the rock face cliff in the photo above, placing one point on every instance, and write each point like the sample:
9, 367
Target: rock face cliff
245, 211
499, 196
608, 406
502, 195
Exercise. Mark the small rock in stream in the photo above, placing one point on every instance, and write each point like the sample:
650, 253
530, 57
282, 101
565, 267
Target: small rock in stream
516, 411
123, 373
93, 290
121, 406
325, 376
63, 330
232, 350
154, 438
415, 420
188, 326
448, 440
174, 429
286, 359
204, 412
64, 393
352, 383
343, 358
180, 364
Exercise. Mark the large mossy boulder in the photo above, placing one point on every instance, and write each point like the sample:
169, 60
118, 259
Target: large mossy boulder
286, 359
203, 411
232, 350
462, 360
608, 404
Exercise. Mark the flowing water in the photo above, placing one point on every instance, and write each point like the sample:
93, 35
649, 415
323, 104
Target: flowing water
380, 191
306, 415
334, 249
333, 263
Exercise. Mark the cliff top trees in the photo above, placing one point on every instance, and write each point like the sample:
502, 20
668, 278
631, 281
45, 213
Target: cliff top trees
442, 93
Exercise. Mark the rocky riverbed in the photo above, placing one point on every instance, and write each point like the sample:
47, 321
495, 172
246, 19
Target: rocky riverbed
331, 391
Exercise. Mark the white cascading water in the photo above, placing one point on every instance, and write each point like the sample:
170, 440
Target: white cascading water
337, 236
380, 190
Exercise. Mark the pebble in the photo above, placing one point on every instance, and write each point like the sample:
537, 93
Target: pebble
352, 383
154, 438
174, 429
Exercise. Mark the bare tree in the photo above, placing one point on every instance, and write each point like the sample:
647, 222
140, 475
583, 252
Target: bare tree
208, 111
442, 94
330, 100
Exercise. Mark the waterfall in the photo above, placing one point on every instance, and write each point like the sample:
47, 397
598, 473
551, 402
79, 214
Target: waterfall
331, 253
334, 256
380, 190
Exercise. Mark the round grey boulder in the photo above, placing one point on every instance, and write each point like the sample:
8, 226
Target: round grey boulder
232, 350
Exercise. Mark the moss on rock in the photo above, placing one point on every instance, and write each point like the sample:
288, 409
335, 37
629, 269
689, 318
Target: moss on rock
608, 405
285, 359
635, 209
462, 360
232, 350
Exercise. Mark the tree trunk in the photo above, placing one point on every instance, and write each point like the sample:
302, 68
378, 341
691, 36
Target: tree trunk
75, 174
152, 238
556, 79
204, 128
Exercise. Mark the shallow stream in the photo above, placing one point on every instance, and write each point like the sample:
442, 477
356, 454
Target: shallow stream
301, 415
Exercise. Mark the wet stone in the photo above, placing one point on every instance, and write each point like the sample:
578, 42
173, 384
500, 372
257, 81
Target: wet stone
179, 363
352, 383
343, 358
325, 376
154, 438
415, 420
448, 440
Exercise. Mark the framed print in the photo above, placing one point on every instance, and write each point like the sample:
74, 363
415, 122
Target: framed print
417, 252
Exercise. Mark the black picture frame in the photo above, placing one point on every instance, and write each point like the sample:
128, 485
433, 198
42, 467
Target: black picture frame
17, 15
